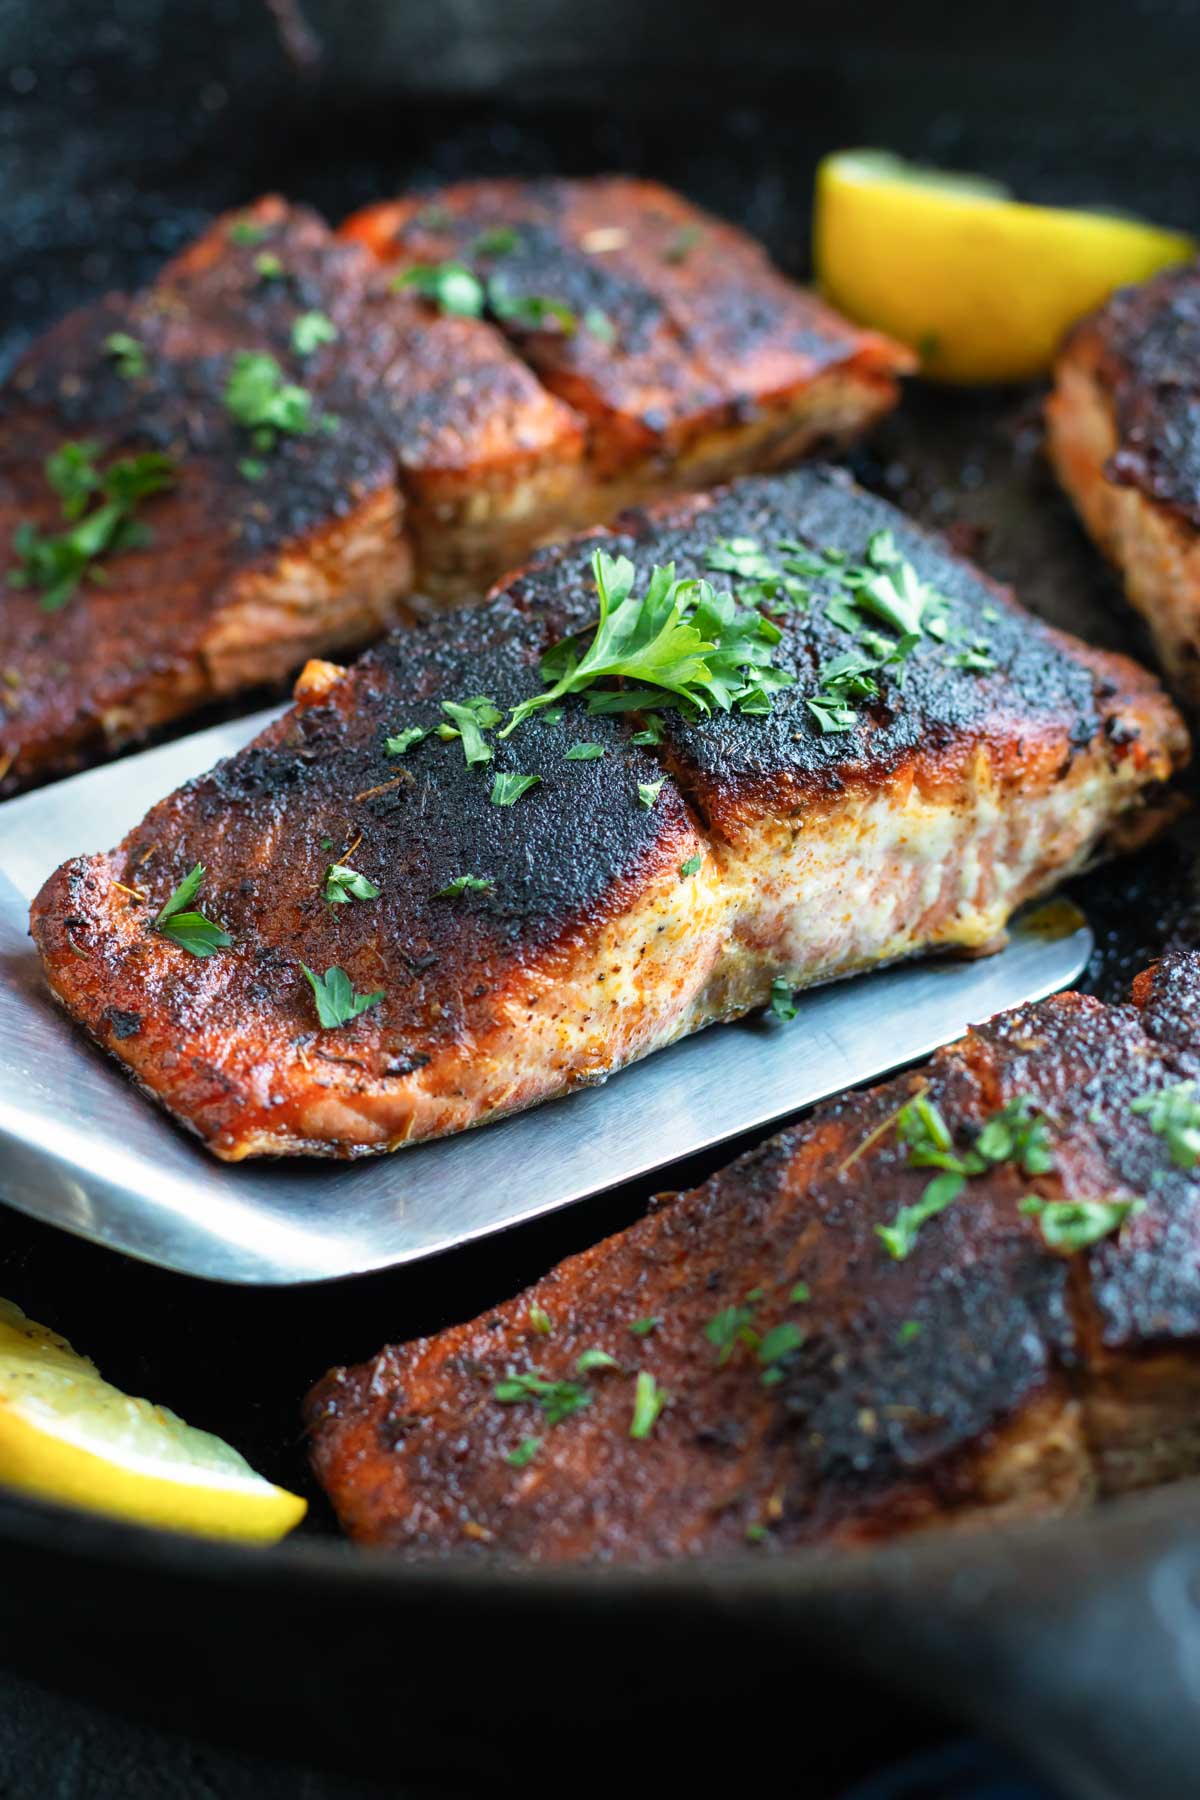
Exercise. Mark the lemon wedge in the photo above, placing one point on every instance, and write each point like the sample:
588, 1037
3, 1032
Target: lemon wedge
980, 285
68, 1435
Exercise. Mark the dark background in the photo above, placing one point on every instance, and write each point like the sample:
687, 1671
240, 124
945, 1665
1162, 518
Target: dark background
122, 128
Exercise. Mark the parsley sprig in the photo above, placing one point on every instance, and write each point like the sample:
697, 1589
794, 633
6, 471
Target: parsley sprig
344, 884
57, 562
457, 289
187, 926
682, 643
1016, 1133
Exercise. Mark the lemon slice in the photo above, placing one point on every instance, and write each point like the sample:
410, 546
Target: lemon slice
68, 1435
980, 285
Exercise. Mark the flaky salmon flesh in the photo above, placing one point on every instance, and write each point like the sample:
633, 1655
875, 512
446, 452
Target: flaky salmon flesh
810, 1349
387, 449
642, 880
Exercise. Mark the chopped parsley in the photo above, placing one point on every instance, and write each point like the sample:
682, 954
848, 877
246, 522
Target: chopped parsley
471, 718
584, 752
1173, 1114
455, 288
127, 354
643, 1327
800, 1293
268, 267
732, 1326
683, 243
648, 792
1016, 1133
337, 1002
691, 866
682, 643
648, 1403
57, 562
343, 884
1071, 1225
186, 926
540, 1320
252, 468
310, 330
259, 397
777, 1343
400, 741
451, 286
591, 1361
557, 1399
465, 884
507, 789
910, 1329
783, 1001
498, 240
523, 1455
247, 231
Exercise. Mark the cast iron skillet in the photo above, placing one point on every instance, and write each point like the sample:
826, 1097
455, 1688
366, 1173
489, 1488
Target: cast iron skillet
121, 129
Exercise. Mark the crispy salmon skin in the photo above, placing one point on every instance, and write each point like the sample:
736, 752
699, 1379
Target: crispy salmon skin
773, 1360
1124, 437
648, 875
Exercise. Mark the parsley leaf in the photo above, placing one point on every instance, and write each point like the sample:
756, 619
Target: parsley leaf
310, 330
268, 267
469, 716
57, 563
404, 740
590, 1361
524, 1453
465, 884
337, 1002
451, 286
643, 1327
691, 866
777, 1343
507, 789
1017, 1134
246, 231
528, 312
540, 1319
258, 397
343, 884
683, 243
1072, 1225
648, 1402
648, 792
186, 927
1173, 1113
899, 1237
251, 468
732, 1326
128, 355
783, 999
681, 636
557, 1399
498, 240
910, 1329
584, 752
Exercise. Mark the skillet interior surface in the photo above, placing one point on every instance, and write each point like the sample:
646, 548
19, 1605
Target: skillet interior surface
122, 129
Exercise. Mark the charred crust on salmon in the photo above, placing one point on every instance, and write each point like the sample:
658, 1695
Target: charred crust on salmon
558, 900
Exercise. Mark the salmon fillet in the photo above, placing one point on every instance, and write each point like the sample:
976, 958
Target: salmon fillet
816, 1388
687, 357
434, 455
1124, 437
628, 897
259, 558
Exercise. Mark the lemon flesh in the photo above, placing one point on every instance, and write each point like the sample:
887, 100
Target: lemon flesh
68, 1435
983, 287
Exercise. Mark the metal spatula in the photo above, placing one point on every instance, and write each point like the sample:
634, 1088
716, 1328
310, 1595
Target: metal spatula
80, 1148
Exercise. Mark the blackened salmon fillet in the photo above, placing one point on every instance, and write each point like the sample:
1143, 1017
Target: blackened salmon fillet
1124, 437
340, 450
810, 1349
595, 885
685, 356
